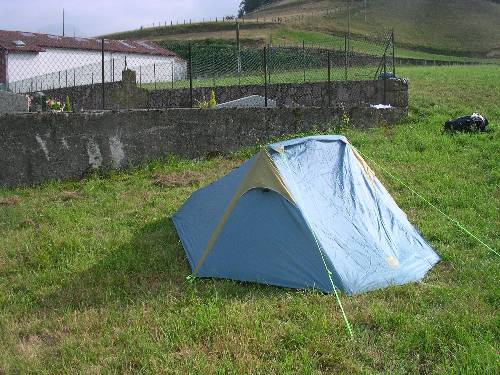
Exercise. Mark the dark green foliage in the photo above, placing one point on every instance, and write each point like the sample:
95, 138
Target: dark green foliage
247, 6
67, 105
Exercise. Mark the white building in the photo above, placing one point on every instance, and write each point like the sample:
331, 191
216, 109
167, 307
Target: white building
33, 61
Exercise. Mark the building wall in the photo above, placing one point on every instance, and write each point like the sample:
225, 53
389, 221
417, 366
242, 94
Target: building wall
56, 68
35, 147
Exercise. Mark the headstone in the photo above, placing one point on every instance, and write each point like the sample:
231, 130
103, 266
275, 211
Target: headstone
10, 102
252, 101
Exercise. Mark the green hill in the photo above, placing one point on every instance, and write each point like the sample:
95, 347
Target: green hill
446, 27
466, 27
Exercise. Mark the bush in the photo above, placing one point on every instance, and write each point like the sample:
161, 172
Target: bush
211, 103
67, 105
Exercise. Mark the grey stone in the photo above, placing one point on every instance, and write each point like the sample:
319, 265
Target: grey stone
252, 101
10, 102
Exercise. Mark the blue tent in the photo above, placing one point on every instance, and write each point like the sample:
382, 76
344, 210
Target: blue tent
303, 213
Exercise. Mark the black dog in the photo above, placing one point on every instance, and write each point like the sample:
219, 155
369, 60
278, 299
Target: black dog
473, 123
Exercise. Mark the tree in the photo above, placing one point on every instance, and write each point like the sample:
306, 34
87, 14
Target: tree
247, 6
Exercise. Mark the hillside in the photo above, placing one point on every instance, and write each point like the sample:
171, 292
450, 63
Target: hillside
447, 27
469, 27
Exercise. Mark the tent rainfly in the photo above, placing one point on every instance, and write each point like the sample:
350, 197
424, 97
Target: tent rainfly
303, 213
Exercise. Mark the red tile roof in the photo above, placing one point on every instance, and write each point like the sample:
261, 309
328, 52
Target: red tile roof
36, 42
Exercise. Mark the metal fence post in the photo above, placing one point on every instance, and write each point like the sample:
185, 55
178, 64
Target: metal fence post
345, 57
238, 47
269, 64
329, 80
154, 74
238, 68
191, 75
214, 73
393, 62
102, 73
265, 76
172, 74
385, 80
304, 58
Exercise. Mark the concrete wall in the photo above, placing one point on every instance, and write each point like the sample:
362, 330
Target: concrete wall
35, 147
350, 93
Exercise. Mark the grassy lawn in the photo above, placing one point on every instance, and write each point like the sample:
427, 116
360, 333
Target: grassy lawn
93, 278
275, 76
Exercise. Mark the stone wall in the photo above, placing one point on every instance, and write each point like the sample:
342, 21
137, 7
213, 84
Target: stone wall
10, 102
127, 95
350, 93
35, 147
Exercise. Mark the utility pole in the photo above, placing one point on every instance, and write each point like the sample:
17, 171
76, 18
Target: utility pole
63, 22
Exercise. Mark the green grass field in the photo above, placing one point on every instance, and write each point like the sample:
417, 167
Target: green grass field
275, 77
93, 278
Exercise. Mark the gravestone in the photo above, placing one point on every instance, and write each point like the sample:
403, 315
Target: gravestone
10, 102
252, 101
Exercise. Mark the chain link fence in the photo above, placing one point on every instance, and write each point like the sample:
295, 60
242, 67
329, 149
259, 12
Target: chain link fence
212, 65
209, 66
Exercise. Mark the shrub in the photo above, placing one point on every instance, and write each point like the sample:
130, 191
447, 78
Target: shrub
67, 105
212, 102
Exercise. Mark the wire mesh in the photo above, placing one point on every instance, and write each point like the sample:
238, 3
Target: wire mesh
207, 66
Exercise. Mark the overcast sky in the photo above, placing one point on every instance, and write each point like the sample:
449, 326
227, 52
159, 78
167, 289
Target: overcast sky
94, 17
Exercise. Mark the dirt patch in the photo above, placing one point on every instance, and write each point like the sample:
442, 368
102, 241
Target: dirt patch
30, 346
176, 179
70, 195
9, 201
29, 223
